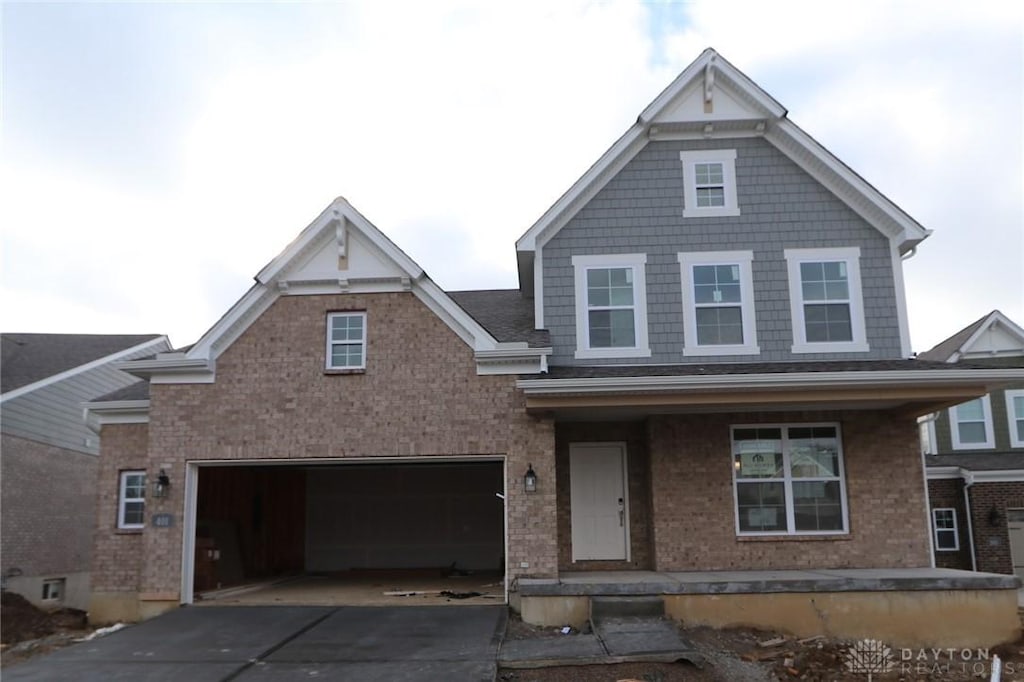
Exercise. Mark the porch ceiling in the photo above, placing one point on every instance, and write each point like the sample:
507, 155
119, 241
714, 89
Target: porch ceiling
909, 388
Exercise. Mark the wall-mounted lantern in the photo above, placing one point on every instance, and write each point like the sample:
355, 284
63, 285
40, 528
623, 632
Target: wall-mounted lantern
530, 480
162, 484
993, 517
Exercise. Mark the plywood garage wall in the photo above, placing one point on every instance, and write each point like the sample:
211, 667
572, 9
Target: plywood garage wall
405, 516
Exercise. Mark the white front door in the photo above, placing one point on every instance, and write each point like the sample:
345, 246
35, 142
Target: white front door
600, 518
1015, 524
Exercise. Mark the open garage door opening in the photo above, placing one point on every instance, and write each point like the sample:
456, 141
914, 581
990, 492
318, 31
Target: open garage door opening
349, 533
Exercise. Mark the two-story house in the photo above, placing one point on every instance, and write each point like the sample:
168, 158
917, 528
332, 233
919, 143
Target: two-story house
704, 375
975, 456
48, 457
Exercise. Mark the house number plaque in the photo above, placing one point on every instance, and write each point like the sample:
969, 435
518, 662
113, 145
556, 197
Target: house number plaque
163, 520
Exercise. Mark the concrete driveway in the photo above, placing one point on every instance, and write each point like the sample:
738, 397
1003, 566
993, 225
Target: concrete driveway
285, 643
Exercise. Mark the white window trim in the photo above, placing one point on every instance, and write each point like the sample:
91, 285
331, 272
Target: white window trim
1012, 417
851, 255
121, 501
954, 529
727, 157
788, 481
638, 262
742, 259
330, 343
954, 430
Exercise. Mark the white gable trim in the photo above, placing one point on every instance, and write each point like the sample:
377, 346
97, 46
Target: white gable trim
340, 226
157, 344
97, 415
713, 74
994, 319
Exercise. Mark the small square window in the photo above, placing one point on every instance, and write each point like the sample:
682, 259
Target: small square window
709, 183
346, 340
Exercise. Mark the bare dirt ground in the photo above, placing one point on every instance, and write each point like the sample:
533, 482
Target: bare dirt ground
748, 655
27, 631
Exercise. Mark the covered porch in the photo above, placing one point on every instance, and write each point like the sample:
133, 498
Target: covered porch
908, 607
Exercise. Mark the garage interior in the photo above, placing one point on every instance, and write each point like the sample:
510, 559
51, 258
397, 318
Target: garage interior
350, 533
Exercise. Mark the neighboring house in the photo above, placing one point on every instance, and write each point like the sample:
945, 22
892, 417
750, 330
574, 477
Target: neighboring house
48, 456
975, 456
705, 371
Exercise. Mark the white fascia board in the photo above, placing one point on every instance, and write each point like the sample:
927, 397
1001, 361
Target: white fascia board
513, 358
996, 476
617, 156
943, 472
237, 319
172, 368
157, 343
790, 381
842, 181
457, 319
99, 414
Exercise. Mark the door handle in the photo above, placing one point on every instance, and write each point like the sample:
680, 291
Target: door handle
622, 513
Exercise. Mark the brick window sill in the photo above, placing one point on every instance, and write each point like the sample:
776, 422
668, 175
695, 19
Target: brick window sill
129, 531
845, 537
343, 372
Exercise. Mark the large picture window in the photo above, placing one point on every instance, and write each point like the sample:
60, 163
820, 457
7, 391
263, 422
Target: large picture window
789, 479
131, 500
611, 306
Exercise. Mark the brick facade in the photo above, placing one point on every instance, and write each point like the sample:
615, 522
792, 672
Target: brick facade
420, 396
989, 502
48, 496
692, 495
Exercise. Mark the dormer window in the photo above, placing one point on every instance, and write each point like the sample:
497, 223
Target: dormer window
709, 183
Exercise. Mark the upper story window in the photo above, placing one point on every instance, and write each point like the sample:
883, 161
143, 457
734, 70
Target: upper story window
826, 301
346, 340
718, 303
611, 306
970, 424
788, 479
1015, 417
709, 183
131, 500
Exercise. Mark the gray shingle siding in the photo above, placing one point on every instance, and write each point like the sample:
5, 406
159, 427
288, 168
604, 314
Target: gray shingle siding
640, 211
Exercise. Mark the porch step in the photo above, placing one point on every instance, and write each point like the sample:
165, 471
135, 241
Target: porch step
603, 608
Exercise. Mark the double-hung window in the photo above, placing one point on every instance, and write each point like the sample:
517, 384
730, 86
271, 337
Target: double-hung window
611, 306
944, 524
789, 480
346, 340
970, 424
825, 300
709, 183
718, 303
131, 500
1015, 417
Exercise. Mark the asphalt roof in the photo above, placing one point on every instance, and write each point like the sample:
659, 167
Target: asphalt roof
980, 461
944, 349
505, 313
27, 358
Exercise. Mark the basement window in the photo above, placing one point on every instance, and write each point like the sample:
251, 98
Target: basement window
53, 590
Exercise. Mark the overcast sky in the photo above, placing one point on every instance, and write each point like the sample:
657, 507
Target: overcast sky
156, 156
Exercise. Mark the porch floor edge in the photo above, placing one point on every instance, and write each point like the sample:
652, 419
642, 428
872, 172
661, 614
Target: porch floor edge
625, 583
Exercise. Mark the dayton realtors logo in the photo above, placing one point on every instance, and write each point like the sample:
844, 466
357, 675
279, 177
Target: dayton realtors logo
869, 656
872, 657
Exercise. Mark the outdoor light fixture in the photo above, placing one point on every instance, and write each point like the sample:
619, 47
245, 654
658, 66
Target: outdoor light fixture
530, 480
161, 484
993, 516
